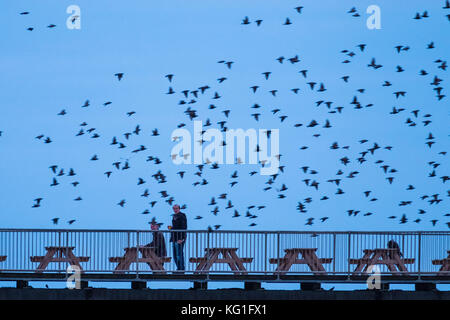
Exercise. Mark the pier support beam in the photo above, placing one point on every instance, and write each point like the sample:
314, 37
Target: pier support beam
200, 285
252, 285
138, 285
310, 286
425, 286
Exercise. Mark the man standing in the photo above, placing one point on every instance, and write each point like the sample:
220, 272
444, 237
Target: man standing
179, 222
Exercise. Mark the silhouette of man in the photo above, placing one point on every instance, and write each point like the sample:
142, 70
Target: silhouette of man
179, 222
393, 245
158, 244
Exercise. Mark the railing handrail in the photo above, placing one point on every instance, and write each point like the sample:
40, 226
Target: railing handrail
231, 231
107, 249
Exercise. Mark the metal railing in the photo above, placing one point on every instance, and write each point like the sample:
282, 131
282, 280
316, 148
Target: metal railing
18, 245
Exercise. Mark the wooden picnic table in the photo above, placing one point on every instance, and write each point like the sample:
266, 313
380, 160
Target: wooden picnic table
444, 263
389, 257
63, 254
229, 256
309, 257
131, 256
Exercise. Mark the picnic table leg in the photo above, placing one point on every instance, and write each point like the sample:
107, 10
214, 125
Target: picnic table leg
156, 263
46, 260
361, 265
73, 260
129, 257
445, 266
399, 263
282, 263
232, 263
312, 261
285, 264
147, 255
373, 261
237, 261
391, 266
290, 259
202, 264
211, 257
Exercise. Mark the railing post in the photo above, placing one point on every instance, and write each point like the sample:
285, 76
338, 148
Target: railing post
207, 249
67, 244
334, 253
137, 254
419, 253
278, 252
348, 254
196, 245
265, 253
58, 252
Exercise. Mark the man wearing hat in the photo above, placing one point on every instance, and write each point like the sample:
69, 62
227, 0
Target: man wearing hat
158, 244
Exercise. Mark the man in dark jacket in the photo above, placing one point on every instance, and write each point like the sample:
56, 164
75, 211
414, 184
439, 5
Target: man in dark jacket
158, 244
393, 245
179, 222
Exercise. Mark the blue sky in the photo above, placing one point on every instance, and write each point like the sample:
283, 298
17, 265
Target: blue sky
47, 70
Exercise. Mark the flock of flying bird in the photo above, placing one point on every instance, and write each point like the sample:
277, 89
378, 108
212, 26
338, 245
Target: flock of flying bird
210, 95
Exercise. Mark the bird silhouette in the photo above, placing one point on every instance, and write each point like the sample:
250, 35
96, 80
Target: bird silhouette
331, 96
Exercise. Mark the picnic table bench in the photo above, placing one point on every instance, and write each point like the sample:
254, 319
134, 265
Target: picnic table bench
309, 257
389, 257
229, 256
444, 263
131, 256
63, 254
